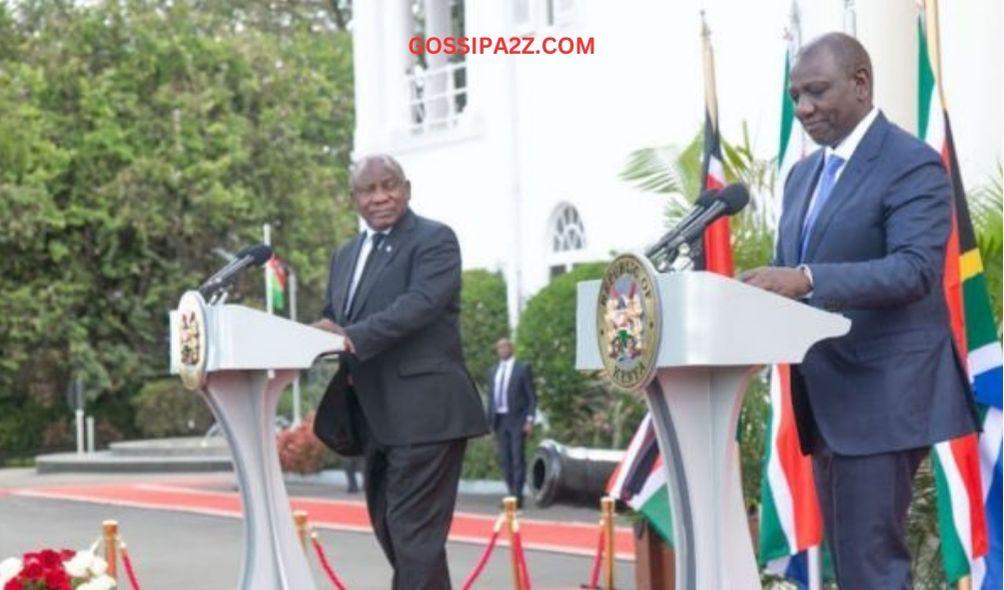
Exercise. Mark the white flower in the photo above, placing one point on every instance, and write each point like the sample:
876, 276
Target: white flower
78, 565
103, 582
9, 568
99, 566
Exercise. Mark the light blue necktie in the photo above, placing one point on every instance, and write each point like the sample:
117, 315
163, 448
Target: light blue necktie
826, 182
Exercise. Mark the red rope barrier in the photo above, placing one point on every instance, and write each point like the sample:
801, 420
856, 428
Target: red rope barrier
325, 565
127, 563
594, 576
517, 541
480, 566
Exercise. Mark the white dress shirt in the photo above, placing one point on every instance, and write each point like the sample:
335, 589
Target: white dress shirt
845, 149
502, 375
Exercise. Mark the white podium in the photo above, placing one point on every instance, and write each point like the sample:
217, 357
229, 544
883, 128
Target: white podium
715, 333
240, 360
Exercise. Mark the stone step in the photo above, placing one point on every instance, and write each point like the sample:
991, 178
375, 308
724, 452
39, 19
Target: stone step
193, 446
108, 462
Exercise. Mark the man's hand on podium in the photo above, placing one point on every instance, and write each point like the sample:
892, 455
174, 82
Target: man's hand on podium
793, 283
330, 326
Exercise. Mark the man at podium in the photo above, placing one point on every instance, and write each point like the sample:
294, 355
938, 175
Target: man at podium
863, 232
394, 293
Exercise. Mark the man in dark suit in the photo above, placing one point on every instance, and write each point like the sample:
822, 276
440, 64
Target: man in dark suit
394, 293
863, 232
512, 403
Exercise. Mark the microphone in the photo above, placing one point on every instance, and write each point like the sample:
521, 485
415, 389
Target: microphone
731, 199
703, 202
251, 256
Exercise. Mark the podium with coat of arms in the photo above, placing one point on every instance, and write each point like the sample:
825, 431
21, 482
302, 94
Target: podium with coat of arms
691, 341
240, 360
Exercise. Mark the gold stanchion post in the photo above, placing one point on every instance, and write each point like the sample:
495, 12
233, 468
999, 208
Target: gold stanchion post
509, 503
302, 530
965, 583
607, 510
110, 534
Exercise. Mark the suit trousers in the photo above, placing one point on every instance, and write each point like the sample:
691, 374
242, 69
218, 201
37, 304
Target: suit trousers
864, 501
509, 442
411, 492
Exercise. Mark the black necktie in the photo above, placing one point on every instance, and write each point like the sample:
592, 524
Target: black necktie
376, 239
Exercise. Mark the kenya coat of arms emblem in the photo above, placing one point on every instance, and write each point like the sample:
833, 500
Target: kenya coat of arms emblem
628, 321
189, 335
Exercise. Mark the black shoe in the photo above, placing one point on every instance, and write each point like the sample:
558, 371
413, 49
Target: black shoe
519, 502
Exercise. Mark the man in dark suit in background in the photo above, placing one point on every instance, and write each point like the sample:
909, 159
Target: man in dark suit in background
394, 293
863, 232
512, 404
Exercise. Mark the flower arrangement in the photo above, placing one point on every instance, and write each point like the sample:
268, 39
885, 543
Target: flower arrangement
300, 451
50, 569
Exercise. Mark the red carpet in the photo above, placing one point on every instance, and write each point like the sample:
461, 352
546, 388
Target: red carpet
345, 515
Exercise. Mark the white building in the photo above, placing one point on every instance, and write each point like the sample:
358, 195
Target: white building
521, 154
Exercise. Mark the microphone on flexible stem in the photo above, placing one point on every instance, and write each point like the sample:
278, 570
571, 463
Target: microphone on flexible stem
703, 202
731, 199
251, 256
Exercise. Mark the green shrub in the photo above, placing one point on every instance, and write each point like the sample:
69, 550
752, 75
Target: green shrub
165, 408
483, 320
481, 459
30, 428
581, 407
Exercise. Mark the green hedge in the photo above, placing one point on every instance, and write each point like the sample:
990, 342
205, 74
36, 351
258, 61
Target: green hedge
483, 320
580, 407
165, 408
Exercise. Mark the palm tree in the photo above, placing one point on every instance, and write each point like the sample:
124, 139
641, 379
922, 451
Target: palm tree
986, 203
676, 173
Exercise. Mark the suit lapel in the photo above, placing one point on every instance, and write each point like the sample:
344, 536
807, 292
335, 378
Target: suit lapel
860, 164
346, 268
395, 241
800, 207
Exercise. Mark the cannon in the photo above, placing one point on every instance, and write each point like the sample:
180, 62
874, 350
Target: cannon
570, 475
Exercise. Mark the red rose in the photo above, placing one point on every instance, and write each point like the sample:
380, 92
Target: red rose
32, 569
51, 560
14, 584
57, 580
66, 554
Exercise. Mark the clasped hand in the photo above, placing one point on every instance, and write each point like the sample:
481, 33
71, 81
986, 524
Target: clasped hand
330, 326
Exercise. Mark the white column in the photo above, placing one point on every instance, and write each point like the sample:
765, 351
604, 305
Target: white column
888, 30
437, 24
398, 27
367, 57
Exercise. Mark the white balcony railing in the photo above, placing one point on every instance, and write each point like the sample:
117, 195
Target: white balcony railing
436, 97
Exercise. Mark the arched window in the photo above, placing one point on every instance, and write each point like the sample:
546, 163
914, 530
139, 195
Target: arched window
567, 239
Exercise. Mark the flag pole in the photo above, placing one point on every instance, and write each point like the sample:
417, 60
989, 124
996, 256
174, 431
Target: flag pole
931, 27
708, 59
850, 18
292, 316
266, 231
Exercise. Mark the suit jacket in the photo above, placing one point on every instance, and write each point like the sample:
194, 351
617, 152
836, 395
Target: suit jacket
408, 370
877, 254
521, 397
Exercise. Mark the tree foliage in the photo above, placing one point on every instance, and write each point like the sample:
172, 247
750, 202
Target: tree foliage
135, 138
581, 407
484, 318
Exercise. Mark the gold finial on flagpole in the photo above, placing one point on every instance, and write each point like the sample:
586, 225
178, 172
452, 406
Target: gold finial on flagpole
931, 28
708, 57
